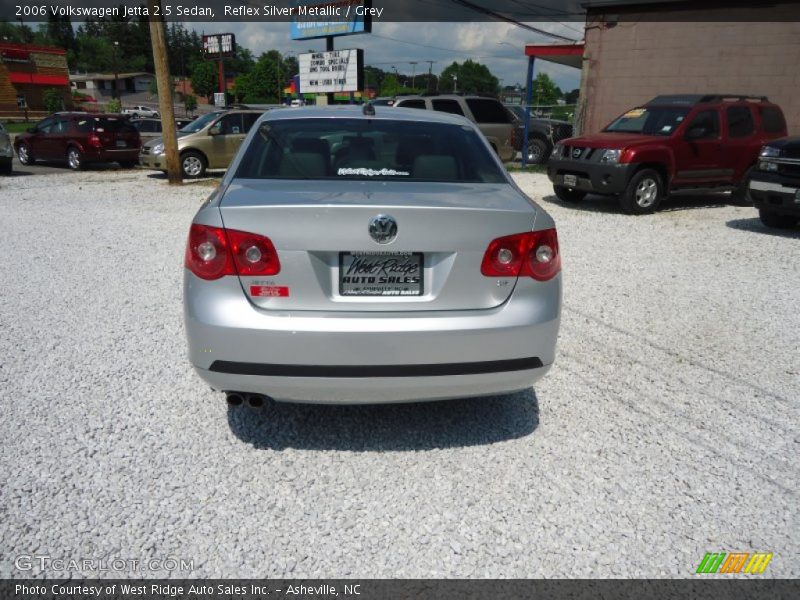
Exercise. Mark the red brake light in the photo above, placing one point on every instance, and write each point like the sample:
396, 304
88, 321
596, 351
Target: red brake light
94, 140
213, 252
533, 254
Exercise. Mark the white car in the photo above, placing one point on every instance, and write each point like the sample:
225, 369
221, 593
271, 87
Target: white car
141, 111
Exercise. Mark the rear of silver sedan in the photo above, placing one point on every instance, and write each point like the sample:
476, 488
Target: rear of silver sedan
350, 257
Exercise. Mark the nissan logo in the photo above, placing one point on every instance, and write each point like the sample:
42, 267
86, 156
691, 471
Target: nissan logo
576, 152
383, 229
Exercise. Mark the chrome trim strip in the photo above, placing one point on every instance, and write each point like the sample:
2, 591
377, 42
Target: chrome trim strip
766, 186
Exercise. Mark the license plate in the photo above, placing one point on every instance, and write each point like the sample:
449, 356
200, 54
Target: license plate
380, 273
122, 144
570, 180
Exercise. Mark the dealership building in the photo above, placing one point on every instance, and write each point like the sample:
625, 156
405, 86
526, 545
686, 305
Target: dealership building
634, 52
26, 71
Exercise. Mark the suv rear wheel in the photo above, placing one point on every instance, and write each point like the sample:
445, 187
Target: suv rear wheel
570, 195
644, 193
771, 219
193, 164
538, 151
741, 195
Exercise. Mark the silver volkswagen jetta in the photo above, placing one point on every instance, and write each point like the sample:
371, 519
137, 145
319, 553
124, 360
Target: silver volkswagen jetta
362, 255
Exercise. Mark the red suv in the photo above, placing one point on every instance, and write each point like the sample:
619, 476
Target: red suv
80, 138
685, 142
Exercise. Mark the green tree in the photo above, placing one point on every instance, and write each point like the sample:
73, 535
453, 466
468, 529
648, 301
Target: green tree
545, 91
53, 100
389, 86
114, 106
469, 76
190, 103
260, 85
204, 78
572, 96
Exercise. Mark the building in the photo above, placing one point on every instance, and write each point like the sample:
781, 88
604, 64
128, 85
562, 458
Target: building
26, 71
106, 86
634, 52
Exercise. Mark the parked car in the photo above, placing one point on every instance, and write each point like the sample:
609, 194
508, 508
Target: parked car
80, 138
543, 134
688, 142
775, 183
151, 128
492, 118
138, 112
208, 142
6, 152
354, 255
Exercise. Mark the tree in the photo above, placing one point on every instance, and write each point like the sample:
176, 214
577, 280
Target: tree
470, 76
572, 97
190, 103
545, 91
204, 78
53, 100
260, 85
390, 86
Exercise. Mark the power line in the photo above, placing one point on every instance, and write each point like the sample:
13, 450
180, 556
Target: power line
501, 17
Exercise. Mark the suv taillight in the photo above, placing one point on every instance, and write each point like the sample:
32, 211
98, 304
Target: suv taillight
95, 141
213, 252
532, 254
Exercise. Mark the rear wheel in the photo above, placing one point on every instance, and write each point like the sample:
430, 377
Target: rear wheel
570, 195
741, 195
74, 158
644, 193
538, 151
771, 219
24, 154
193, 164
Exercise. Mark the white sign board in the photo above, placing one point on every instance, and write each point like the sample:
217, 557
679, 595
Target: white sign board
219, 99
334, 71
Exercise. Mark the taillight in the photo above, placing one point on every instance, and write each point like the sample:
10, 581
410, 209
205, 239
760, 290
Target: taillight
532, 254
213, 252
94, 140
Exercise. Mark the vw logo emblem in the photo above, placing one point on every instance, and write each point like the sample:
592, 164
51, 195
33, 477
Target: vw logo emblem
576, 152
383, 229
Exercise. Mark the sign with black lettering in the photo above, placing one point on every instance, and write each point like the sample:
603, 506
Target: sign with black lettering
334, 71
220, 45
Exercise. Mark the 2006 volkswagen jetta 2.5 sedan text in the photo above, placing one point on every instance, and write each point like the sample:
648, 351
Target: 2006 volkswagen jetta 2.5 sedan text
362, 255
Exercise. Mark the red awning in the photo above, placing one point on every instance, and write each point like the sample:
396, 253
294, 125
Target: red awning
38, 79
564, 54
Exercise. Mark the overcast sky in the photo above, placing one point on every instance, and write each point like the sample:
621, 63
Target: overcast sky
498, 45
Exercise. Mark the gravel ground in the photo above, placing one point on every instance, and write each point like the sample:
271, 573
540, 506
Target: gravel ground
668, 427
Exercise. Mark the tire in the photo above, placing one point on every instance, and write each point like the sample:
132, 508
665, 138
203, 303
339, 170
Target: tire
741, 195
5, 167
644, 193
538, 151
570, 195
193, 164
777, 221
74, 158
24, 154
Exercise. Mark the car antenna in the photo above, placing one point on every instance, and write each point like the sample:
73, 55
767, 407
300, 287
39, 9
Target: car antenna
369, 109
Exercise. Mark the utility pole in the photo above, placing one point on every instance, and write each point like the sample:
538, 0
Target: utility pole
430, 74
413, 74
164, 81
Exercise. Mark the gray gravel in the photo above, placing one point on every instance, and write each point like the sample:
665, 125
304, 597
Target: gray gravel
668, 427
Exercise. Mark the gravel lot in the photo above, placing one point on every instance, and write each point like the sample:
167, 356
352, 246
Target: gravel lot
668, 427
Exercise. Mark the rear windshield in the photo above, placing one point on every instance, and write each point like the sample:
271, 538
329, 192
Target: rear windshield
651, 120
105, 124
368, 149
199, 123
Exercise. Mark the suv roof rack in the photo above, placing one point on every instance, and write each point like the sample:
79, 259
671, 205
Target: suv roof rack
690, 99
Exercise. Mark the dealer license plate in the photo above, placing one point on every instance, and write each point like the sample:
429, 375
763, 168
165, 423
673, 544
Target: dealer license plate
380, 273
122, 144
570, 180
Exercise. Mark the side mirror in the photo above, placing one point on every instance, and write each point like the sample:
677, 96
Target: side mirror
215, 129
696, 133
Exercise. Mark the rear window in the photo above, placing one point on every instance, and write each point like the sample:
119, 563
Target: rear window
108, 124
772, 119
368, 149
740, 121
448, 106
486, 110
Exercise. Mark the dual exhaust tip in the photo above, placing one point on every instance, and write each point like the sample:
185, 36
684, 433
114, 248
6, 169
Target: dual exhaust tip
252, 400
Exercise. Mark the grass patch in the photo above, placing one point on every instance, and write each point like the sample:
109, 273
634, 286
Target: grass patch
516, 168
18, 127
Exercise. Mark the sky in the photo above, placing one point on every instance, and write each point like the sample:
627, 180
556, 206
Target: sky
499, 45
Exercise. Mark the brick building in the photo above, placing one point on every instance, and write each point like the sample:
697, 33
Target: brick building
26, 71
635, 52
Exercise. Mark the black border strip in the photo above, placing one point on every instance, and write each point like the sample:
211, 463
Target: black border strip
470, 368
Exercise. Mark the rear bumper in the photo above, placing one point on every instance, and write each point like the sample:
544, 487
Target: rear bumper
591, 177
110, 155
776, 194
348, 357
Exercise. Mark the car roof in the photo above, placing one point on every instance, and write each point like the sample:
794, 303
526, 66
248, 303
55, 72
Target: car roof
357, 112
692, 99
